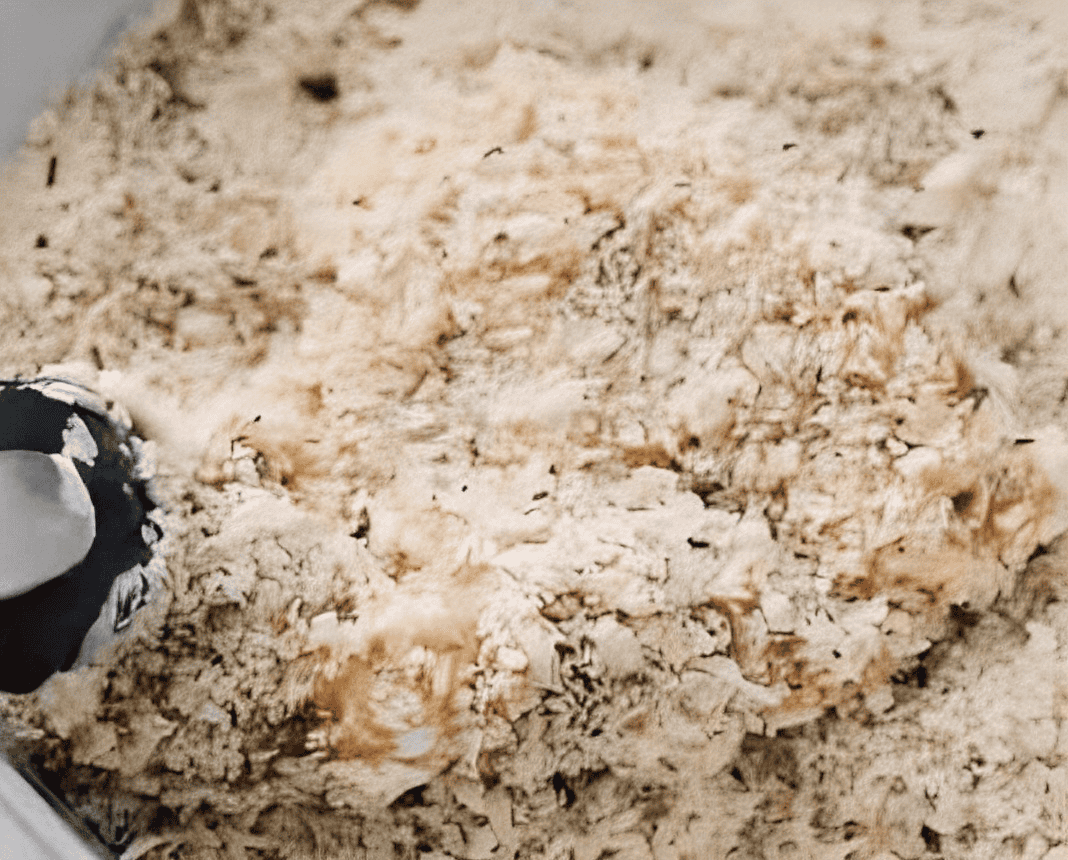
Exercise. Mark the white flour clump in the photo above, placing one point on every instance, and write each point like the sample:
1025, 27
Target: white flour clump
554, 413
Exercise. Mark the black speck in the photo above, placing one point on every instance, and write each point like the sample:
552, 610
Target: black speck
788, 146
564, 792
916, 677
268, 253
495, 151
697, 544
912, 232
363, 525
412, 798
322, 88
964, 618
1040, 550
962, 501
538, 496
978, 133
51, 180
463, 489
931, 839
1024, 441
42, 241
358, 201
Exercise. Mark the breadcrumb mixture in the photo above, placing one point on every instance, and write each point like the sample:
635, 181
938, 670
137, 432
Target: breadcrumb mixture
626, 429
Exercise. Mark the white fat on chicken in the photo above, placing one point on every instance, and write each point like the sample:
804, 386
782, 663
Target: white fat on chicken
47, 522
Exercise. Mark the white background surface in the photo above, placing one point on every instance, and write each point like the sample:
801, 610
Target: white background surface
45, 45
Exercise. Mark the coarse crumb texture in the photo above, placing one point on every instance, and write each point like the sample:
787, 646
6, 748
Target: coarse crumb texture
618, 429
